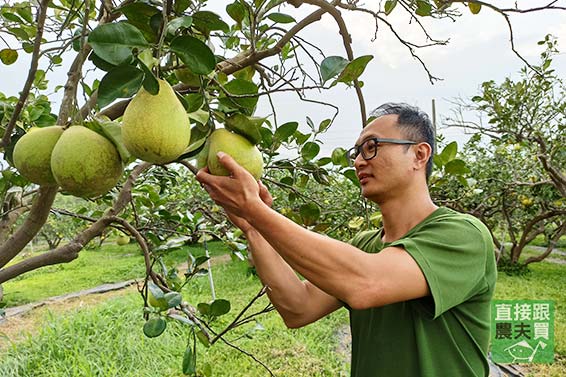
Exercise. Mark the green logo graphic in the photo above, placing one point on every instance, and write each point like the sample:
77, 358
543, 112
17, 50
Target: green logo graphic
522, 331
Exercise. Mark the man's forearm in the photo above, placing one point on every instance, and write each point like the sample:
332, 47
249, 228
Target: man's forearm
285, 290
322, 260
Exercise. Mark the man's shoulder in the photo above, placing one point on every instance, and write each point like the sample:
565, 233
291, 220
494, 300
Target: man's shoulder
459, 220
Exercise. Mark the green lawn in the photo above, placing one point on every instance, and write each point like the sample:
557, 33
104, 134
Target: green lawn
109, 264
108, 340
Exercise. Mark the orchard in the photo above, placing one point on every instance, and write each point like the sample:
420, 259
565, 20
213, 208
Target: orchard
176, 84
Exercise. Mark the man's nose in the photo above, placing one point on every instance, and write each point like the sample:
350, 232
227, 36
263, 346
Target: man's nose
359, 161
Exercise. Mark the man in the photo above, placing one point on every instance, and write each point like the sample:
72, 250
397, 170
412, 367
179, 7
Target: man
418, 290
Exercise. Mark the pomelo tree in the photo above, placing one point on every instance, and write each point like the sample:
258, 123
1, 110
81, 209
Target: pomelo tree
517, 159
219, 67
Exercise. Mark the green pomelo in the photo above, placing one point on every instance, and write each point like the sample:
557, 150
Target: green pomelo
32, 154
122, 240
237, 146
85, 163
156, 128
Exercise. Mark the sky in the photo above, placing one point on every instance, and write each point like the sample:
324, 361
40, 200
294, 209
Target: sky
478, 50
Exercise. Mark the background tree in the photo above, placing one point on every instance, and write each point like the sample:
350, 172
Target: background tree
517, 158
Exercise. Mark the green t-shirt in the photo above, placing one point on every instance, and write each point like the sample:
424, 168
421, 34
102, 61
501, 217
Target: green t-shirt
446, 334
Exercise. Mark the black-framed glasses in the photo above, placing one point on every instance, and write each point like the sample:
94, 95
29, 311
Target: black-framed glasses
368, 148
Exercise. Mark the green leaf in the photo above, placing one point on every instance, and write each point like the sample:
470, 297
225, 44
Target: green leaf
198, 144
12, 17
179, 22
206, 21
24, 11
449, 152
8, 56
354, 69
310, 150
281, 18
351, 175
203, 308
300, 137
310, 213
150, 82
100, 63
219, 307
19, 33
195, 101
154, 327
194, 53
121, 82
248, 127
114, 42
283, 132
389, 6
423, 8
240, 87
173, 299
237, 11
332, 66
356, 222
323, 161
113, 132
474, 7
339, 157
203, 338
140, 15
181, 5
456, 167
323, 126
201, 116
189, 361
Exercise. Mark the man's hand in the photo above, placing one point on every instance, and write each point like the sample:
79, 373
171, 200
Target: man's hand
238, 193
241, 222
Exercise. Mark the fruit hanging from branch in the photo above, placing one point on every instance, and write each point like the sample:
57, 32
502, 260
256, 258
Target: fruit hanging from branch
32, 154
156, 128
239, 148
85, 163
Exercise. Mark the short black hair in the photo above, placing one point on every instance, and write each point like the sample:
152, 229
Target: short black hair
413, 122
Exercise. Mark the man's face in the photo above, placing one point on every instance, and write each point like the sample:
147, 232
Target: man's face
391, 169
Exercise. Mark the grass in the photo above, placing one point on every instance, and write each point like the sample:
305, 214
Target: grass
108, 340
90, 269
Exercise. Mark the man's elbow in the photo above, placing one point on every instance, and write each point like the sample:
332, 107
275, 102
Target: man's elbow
295, 322
362, 299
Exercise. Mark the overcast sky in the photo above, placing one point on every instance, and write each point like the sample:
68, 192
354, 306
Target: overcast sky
478, 50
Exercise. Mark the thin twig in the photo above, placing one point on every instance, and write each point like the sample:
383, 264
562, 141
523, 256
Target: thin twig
31, 74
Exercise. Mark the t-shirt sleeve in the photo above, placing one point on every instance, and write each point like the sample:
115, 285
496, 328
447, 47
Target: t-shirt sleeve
368, 241
452, 254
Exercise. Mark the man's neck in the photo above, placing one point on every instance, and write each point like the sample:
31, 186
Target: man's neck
401, 214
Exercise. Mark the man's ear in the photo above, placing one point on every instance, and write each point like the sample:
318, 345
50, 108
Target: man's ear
423, 153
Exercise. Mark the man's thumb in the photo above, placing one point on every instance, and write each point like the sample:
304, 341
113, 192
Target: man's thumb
228, 162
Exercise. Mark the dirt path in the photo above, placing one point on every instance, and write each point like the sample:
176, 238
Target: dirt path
24, 320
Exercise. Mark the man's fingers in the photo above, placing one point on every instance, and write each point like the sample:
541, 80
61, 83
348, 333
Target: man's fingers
264, 194
229, 163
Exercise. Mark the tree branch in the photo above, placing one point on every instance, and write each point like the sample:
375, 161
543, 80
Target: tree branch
559, 233
347, 41
67, 252
31, 74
